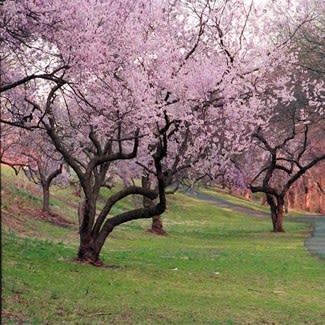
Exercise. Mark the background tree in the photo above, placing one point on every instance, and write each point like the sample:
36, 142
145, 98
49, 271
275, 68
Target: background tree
44, 166
10, 145
281, 161
33, 154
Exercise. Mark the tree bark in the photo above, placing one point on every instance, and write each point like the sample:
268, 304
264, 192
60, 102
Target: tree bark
272, 204
156, 224
89, 250
46, 183
81, 211
280, 215
46, 198
286, 205
279, 221
277, 212
94, 232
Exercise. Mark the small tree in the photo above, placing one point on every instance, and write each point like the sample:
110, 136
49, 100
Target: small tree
10, 145
285, 162
36, 156
43, 171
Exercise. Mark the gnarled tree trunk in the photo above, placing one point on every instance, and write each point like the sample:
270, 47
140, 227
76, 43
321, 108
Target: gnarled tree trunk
89, 250
156, 224
277, 212
94, 231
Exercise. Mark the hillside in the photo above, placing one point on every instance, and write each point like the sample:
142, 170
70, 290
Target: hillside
216, 266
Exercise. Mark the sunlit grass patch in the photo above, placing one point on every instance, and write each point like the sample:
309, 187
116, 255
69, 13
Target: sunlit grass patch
214, 267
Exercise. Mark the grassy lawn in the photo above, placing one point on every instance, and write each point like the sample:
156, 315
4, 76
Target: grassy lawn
214, 267
252, 204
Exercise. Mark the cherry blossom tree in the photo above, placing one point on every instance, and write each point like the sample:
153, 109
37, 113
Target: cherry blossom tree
33, 154
95, 77
285, 164
44, 165
9, 147
281, 160
293, 143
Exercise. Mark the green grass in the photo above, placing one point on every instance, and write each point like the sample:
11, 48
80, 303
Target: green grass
214, 267
253, 204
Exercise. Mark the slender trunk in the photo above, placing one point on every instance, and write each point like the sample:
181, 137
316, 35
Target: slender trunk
46, 183
46, 198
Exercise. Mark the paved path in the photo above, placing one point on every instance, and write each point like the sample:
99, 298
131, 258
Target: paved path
315, 243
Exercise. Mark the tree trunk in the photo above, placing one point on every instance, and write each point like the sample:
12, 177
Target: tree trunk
280, 216
88, 250
286, 205
277, 212
81, 212
46, 198
274, 218
156, 224
46, 183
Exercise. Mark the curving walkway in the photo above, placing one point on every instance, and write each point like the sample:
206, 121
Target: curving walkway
315, 243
